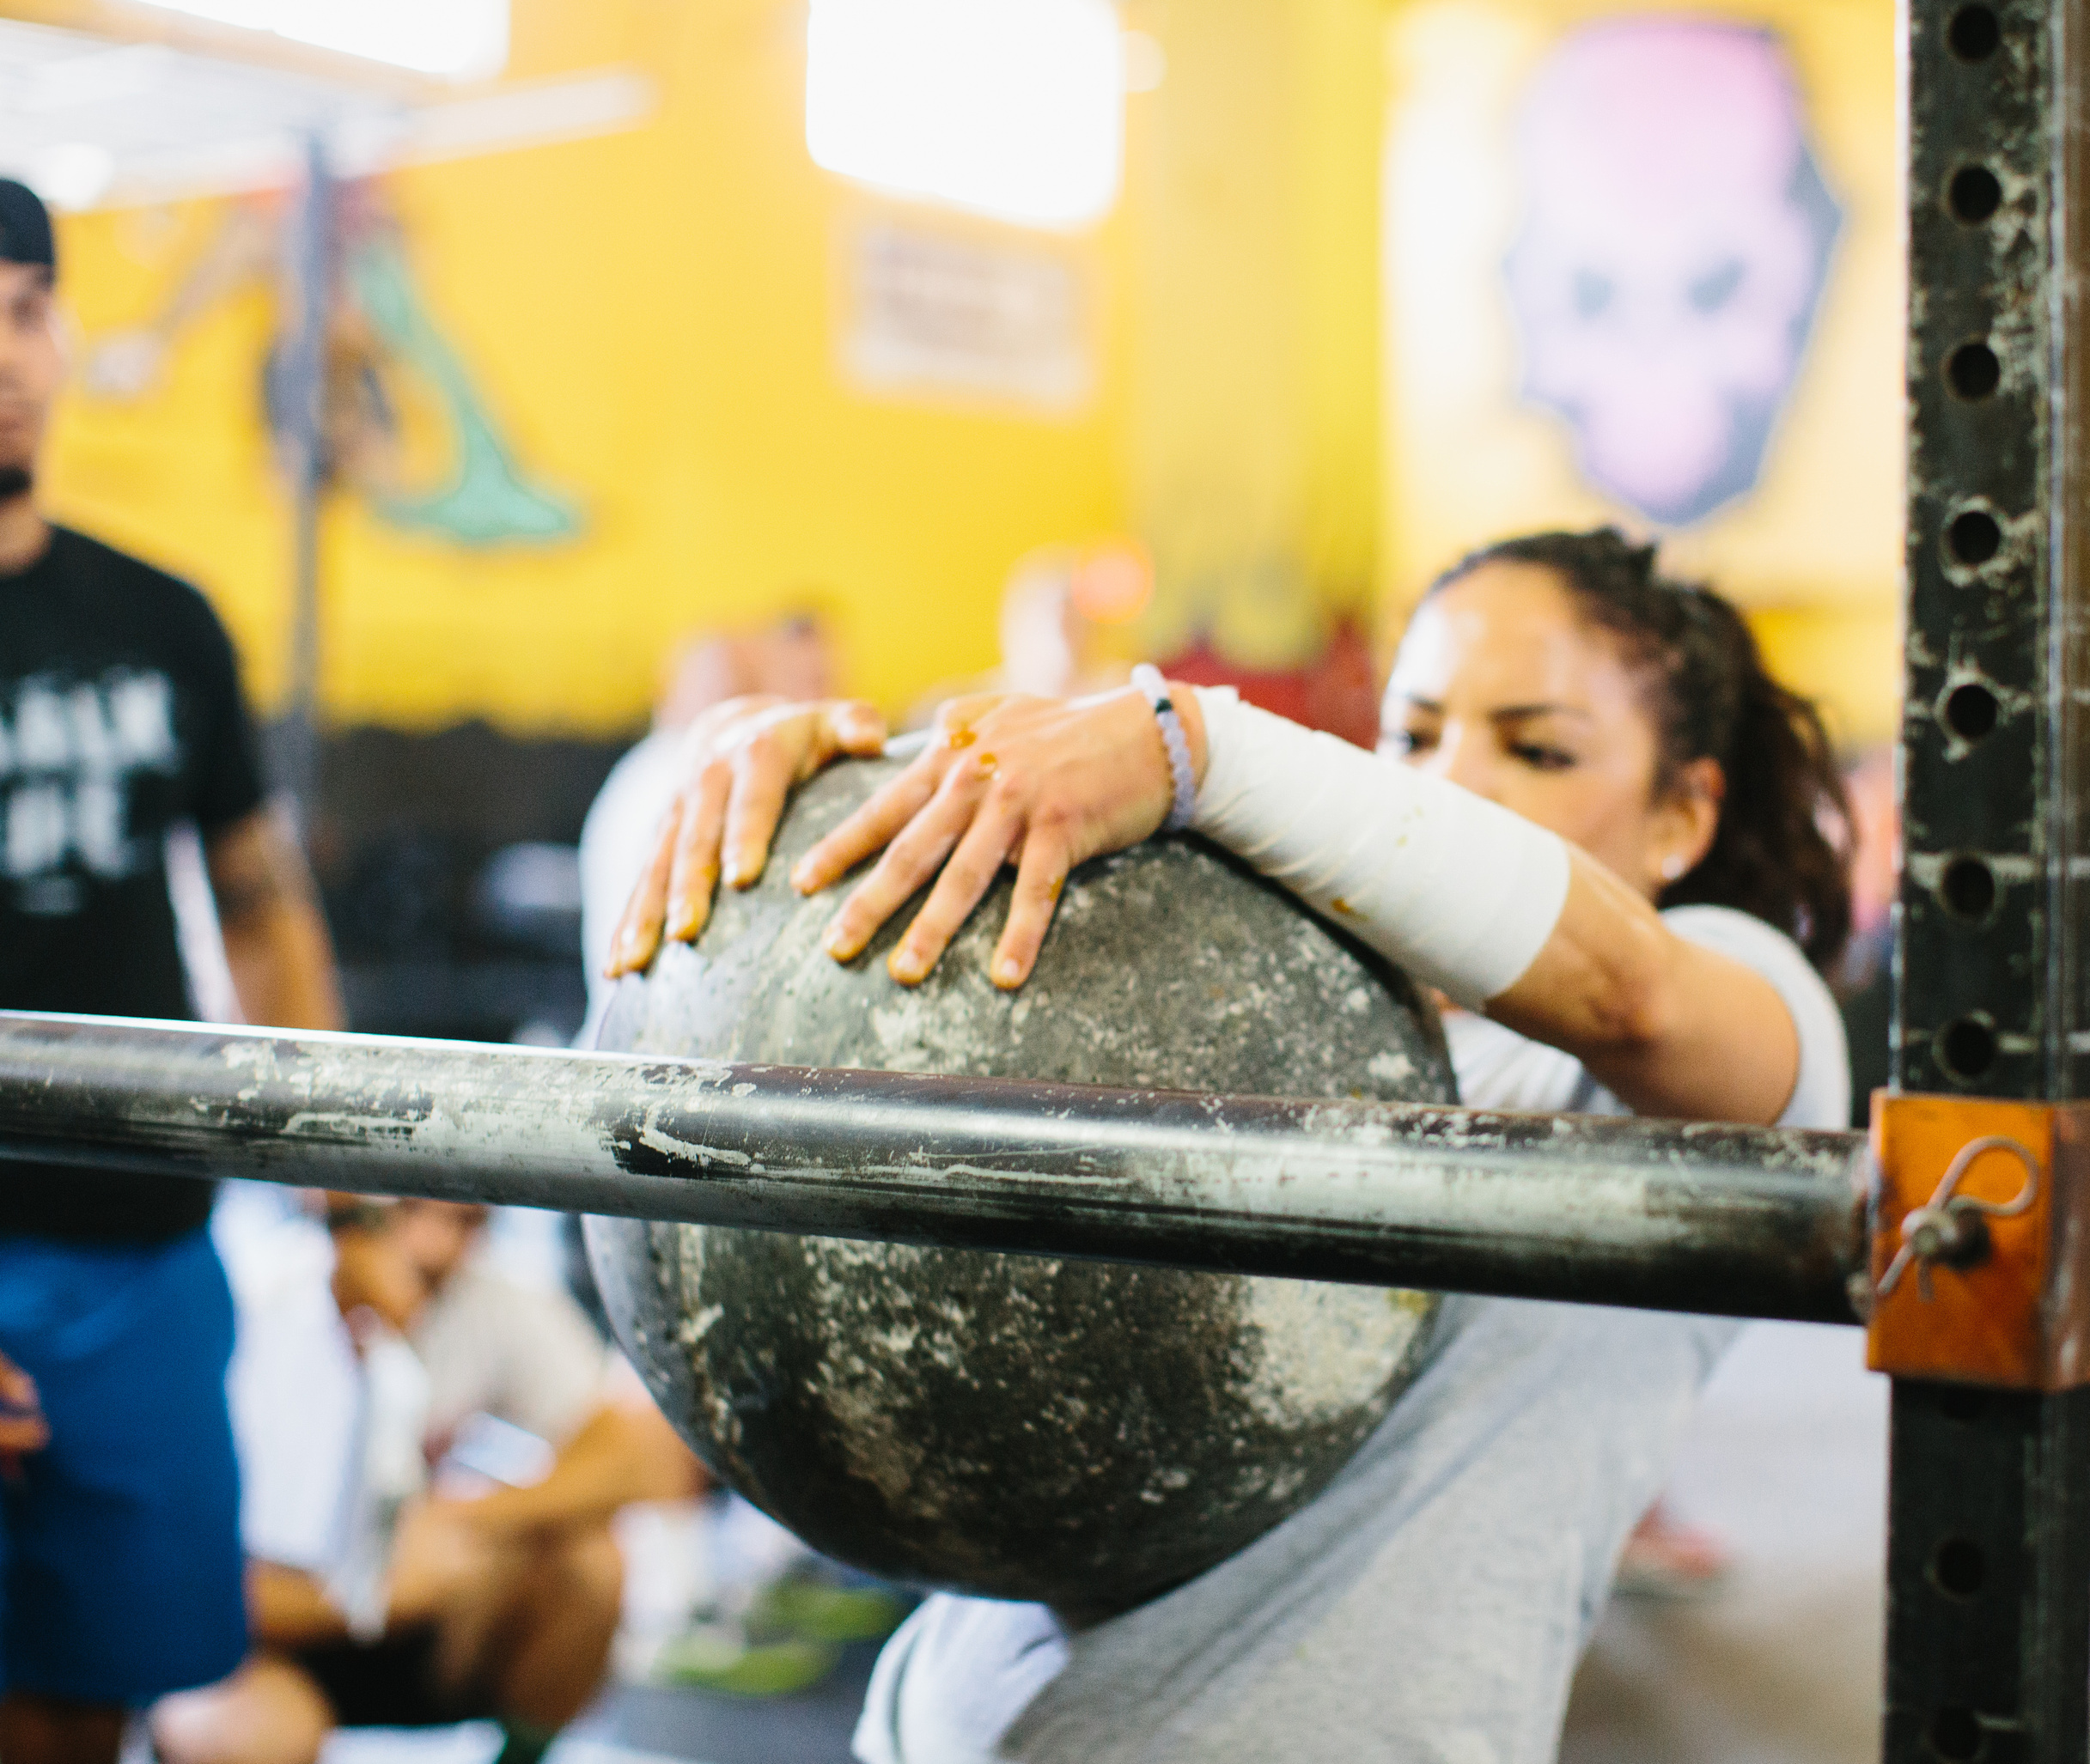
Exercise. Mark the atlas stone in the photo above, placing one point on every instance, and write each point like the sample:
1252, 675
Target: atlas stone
1082, 1433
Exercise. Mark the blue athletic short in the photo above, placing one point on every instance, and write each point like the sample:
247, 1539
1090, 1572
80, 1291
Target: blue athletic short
120, 1568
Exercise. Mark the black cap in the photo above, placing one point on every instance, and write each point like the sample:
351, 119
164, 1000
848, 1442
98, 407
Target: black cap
25, 227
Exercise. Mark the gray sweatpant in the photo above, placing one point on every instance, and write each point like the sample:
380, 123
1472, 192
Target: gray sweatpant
1428, 1608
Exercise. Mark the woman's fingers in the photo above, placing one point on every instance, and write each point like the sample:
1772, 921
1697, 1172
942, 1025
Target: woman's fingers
1007, 775
743, 757
693, 879
637, 937
859, 730
764, 770
910, 860
1070, 780
872, 827
1040, 875
890, 808
967, 877
854, 727
783, 747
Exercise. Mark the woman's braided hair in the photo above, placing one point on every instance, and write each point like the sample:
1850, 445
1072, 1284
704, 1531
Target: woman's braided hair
1781, 851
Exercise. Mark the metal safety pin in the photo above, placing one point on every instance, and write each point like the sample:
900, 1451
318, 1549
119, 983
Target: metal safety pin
1950, 1227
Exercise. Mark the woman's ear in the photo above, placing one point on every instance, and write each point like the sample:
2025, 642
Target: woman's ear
1686, 819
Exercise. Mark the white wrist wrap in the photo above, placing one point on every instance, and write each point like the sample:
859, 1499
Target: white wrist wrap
1457, 890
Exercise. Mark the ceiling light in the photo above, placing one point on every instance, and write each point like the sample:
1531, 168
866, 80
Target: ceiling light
459, 38
1013, 108
71, 174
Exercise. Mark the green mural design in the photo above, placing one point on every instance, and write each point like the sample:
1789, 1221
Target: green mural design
488, 500
379, 331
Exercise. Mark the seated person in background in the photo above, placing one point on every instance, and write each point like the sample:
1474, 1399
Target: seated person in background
378, 1599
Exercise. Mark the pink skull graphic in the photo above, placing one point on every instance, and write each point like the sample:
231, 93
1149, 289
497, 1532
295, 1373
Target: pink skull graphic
1676, 240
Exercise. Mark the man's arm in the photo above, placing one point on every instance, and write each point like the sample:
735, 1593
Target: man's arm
287, 1607
22, 1426
622, 1453
276, 942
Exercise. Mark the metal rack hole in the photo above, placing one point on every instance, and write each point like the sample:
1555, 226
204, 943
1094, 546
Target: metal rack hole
1959, 1569
1972, 370
1974, 536
1968, 889
1955, 1736
1965, 1048
1970, 711
1975, 32
1974, 194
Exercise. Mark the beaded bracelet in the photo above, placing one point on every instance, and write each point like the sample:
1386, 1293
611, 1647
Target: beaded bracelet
1148, 679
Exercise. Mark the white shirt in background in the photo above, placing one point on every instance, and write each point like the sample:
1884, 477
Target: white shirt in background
333, 1443
329, 1440
493, 1345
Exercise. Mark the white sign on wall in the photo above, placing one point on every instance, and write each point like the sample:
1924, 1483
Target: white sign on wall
929, 313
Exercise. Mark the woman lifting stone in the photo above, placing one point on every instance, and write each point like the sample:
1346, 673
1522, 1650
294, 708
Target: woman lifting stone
1613, 842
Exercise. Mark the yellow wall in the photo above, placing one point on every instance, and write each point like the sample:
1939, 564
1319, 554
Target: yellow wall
652, 317
1253, 209
1815, 548
1844, 654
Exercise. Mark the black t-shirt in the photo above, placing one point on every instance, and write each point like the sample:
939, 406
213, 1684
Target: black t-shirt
120, 715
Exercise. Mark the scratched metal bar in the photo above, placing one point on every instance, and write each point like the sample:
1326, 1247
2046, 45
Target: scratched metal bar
1989, 1510
1663, 1215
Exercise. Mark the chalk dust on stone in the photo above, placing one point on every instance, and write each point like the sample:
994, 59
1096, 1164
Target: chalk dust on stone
1085, 1433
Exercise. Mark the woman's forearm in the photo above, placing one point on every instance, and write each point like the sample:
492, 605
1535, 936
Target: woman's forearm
1459, 891
1498, 913
1666, 1025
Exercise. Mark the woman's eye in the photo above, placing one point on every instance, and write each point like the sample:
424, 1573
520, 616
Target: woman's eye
1542, 758
1405, 742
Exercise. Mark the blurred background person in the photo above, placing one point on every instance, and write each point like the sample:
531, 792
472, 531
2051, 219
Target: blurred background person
122, 715
434, 1453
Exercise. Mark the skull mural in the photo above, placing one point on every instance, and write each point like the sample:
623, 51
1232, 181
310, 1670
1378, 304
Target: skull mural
1675, 237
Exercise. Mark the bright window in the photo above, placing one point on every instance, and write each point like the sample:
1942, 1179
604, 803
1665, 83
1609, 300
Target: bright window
461, 39
1013, 108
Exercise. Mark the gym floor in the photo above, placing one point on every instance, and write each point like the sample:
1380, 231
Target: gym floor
1787, 1462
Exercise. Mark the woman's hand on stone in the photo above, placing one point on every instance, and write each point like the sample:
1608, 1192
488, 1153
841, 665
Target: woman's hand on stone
1044, 783
741, 759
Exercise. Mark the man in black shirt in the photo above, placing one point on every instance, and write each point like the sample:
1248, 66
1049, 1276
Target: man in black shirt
120, 715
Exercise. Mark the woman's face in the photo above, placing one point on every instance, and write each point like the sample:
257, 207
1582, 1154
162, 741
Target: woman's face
1500, 686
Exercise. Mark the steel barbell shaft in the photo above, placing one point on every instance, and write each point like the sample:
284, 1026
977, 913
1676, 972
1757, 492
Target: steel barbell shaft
1665, 1215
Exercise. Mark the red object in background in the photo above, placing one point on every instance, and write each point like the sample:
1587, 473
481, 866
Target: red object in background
1337, 691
